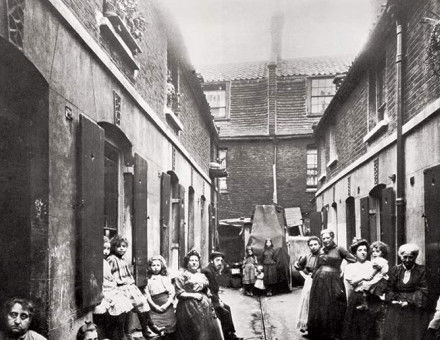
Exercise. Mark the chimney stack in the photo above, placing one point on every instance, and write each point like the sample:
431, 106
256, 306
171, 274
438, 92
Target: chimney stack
276, 31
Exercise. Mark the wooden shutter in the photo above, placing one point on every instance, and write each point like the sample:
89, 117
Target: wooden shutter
324, 212
350, 219
365, 218
315, 223
388, 222
182, 233
91, 209
140, 224
165, 192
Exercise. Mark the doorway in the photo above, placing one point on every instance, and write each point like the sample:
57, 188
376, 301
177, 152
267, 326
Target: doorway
432, 230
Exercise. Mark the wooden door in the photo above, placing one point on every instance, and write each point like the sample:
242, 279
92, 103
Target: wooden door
365, 218
432, 230
315, 223
388, 222
350, 219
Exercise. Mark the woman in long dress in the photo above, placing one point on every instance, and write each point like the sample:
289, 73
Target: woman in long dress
269, 266
407, 295
327, 295
364, 309
306, 265
195, 314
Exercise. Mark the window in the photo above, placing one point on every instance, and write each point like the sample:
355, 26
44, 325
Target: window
322, 161
111, 190
222, 184
172, 88
377, 93
312, 167
333, 156
216, 96
321, 93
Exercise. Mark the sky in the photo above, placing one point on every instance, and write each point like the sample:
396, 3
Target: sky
221, 31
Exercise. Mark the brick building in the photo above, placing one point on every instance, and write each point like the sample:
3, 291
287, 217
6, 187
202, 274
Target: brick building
265, 111
379, 142
103, 131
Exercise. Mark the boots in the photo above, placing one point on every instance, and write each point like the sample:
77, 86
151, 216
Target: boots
146, 322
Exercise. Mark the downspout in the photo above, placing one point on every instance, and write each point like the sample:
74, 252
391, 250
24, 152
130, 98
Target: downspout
274, 171
400, 151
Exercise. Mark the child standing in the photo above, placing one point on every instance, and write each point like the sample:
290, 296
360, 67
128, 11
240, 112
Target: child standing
125, 283
160, 294
111, 313
259, 282
249, 271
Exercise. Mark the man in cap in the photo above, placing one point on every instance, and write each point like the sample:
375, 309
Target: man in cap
222, 310
18, 314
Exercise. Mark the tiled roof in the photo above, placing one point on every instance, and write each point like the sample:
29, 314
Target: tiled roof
308, 66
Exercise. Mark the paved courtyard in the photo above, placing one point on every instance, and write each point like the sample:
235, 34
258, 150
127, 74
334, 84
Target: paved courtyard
268, 318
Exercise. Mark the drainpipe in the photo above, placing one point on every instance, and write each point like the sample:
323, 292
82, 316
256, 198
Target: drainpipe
274, 171
400, 151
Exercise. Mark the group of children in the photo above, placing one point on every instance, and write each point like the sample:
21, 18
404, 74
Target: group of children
153, 306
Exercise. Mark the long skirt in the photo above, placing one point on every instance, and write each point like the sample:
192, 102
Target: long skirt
303, 314
196, 320
408, 322
249, 274
363, 324
270, 274
166, 319
327, 304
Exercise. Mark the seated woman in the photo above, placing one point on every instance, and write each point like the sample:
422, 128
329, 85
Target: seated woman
195, 314
407, 293
361, 323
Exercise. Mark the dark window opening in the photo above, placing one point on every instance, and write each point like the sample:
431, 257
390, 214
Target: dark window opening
111, 192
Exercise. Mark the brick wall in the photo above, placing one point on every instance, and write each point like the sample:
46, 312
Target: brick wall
349, 129
151, 79
250, 180
195, 135
291, 174
421, 87
421, 84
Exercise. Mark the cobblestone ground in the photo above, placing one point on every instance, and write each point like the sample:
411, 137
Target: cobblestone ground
268, 318
262, 318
